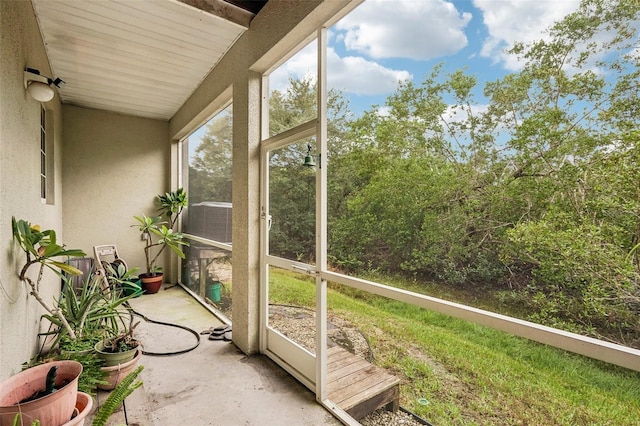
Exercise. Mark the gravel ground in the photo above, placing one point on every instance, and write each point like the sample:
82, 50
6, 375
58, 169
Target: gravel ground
387, 418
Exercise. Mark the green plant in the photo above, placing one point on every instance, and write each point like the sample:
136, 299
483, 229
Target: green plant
122, 341
41, 248
91, 376
117, 396
90, 313
17, 421
121, 278
157, 234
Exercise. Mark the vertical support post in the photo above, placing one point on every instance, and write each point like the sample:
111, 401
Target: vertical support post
321, 220
264, 215
246, 211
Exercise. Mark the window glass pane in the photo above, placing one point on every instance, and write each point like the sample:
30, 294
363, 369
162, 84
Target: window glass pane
43, 154
292, 308
209, 179
293, 96
207, 271
292, 202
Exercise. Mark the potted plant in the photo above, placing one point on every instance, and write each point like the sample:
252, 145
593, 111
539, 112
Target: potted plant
89, 313
121, 353
122, 279
84, 405
118, 348
41, 249
47, 392
159, 234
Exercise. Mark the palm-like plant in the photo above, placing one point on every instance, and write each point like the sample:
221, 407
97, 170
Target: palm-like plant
158, 235
41, 248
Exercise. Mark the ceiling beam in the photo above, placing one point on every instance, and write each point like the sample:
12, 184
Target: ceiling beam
223, 9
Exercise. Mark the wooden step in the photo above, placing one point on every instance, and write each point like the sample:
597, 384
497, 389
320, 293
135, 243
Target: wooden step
359, 387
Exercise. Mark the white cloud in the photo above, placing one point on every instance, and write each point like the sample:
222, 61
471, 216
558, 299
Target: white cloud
415, 29
384, 111
351, 74
454, 113
354, 74
524, 20
303, 64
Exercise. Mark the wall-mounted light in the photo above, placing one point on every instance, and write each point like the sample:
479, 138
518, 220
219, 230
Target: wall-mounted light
39, 86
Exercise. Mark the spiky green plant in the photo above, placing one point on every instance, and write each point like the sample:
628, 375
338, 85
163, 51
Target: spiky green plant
117, 396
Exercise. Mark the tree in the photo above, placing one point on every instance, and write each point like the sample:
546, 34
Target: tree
210, 167
536, 191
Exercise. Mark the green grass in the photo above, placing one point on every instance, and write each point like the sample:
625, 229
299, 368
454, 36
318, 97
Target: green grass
473, 375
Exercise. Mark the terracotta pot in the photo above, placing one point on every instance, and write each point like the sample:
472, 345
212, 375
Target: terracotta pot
151, 283
114, 358
84, 404
54, 409
115, 374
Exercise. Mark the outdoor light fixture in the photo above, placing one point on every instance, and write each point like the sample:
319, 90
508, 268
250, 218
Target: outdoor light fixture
39, 86
308, 160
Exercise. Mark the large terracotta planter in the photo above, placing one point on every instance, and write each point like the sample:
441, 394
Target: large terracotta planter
115, 374
84, 405
52, 410
151, 283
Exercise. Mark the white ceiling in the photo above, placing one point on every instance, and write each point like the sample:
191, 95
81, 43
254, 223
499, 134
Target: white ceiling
135, 57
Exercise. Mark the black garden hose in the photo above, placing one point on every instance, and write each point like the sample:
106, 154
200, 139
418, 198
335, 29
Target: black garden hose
144, 317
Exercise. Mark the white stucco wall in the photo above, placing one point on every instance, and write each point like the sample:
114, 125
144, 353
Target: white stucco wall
113, 167
21, 46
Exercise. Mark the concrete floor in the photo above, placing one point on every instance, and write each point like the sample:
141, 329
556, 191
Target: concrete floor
214, 384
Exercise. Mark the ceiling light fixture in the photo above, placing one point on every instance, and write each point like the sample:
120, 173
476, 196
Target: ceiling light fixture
39, 86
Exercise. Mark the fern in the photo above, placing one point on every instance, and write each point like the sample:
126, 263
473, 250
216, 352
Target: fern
117, 396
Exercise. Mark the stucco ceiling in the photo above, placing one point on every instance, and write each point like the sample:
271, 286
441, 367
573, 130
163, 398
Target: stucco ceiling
142, 57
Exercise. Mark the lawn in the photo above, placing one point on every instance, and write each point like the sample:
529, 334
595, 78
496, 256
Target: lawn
458, 373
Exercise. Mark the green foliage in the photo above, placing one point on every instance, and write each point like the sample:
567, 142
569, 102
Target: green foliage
532, 190
158, 235
210, 167
122, 279
155, 229
17, 421
580, 280
90, 312
172, 204
91, 375
41, 248
117, 396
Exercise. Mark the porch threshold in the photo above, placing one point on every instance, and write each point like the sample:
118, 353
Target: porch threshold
359, 387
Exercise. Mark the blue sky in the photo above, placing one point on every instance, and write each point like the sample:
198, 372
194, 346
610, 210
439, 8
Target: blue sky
385, 41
